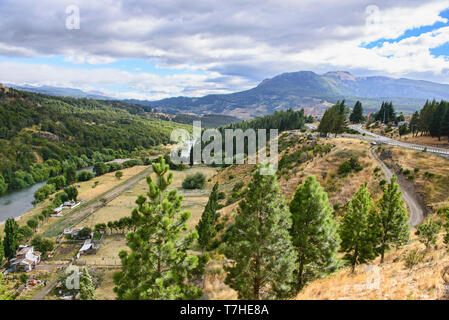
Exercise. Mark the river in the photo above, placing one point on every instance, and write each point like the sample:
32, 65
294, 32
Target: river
14, 204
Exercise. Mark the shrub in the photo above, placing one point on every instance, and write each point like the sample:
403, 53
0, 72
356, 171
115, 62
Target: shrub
221, 195
382, 182
85, 176
413, 258
344, 168
238, 186
428, 174
41, 244
195, 181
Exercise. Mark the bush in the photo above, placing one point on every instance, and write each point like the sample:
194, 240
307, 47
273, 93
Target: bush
41, 244
413, 258
344, 168
85, 176
195, 181
411, 177
238, 186
429, 175
221, 195
382, 182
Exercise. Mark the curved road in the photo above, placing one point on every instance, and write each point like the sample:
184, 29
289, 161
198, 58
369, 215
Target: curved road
415, 209
416, 212
385, 140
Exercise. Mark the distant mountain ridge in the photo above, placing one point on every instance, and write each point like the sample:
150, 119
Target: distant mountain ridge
302, 89
60, 91
306, 89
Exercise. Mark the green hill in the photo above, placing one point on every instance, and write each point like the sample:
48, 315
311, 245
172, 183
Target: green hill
39, 134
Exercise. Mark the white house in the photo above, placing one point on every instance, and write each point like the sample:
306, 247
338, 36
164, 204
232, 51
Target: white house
26, 259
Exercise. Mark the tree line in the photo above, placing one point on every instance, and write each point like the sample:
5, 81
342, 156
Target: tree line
432, 119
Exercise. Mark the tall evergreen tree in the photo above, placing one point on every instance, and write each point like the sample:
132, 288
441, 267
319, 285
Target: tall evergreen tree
357, 113
392, 219
260, 246
87, 289
314, 233
386, 113
445, 124
414, 123
11, 243
206, 226
425, 116
159, 265
2, 252
358, 229
437, 122
334, 120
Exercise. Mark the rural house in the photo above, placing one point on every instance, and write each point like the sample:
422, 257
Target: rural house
26, 259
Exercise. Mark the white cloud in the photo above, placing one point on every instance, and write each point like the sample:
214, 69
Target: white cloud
234, 43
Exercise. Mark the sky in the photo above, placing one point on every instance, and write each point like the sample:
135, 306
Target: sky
144, 49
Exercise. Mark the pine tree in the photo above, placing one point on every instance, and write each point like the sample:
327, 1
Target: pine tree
357, 113
428, 233
314, 233
87, 290
425, 116
445, 124
2, 252
159, 265
10, 243
437, 125
414, 123
260, 244
358, 229
206, 226
392, 219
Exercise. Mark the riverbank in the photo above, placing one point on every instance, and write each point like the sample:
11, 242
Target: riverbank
87, 191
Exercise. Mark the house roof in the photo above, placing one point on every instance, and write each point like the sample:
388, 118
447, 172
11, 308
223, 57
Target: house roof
86, 246
24, 250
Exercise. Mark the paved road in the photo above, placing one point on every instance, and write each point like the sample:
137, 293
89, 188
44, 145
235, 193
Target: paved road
385, 140
415, 209
416, 212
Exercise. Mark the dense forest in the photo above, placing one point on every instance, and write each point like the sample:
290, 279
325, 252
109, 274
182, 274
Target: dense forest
281, 120
40, 134
432, 119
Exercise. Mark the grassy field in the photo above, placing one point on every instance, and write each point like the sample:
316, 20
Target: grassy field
397, 279
107, 255
194, 200
432, 178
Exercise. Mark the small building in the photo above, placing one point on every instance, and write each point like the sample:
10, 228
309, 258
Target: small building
76, 234
88, 248
57, 212
26, 259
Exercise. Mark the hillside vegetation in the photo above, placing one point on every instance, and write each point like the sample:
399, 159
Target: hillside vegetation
39, 134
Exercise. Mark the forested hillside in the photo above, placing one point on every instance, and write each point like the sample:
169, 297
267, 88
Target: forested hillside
40, 134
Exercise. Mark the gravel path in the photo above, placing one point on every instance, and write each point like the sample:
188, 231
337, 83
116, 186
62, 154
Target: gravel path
416, 212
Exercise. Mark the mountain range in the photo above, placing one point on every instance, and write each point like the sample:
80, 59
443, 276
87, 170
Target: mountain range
303, 89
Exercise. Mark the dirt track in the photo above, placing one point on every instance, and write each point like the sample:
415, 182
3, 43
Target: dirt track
416, 212
95, 204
